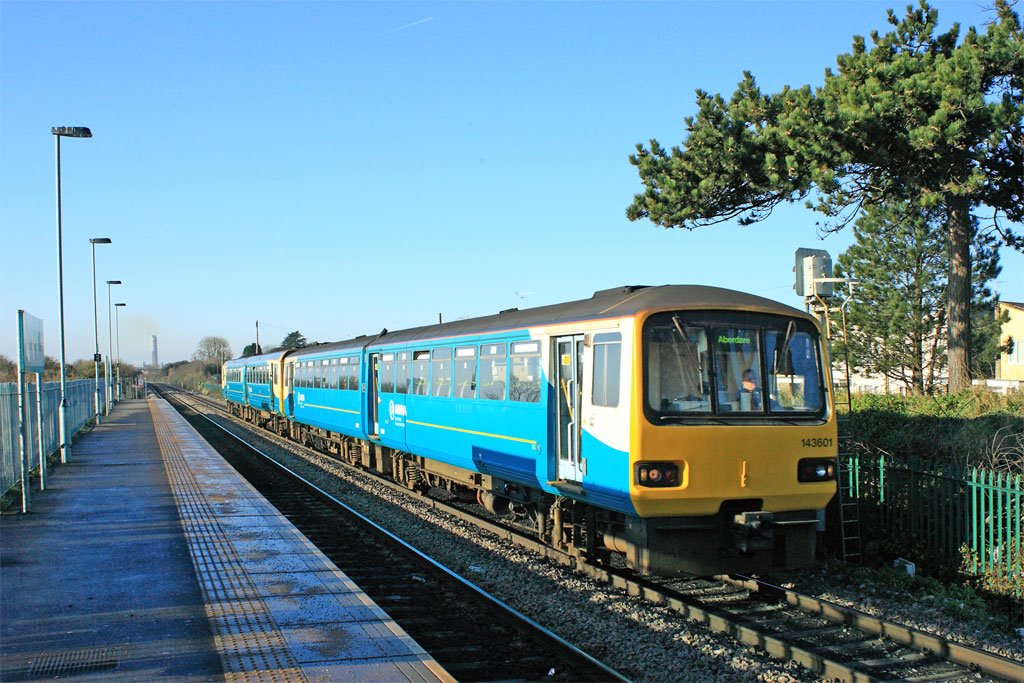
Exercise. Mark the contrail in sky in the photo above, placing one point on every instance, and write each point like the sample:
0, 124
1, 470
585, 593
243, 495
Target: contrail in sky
402, 28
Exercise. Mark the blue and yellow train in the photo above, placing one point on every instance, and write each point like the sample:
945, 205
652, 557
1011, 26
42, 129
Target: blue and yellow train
690, 429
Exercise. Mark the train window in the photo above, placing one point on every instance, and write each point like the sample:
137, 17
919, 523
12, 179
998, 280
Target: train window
420, 372
793, 372
387, 373
402, 373
441, 372
493, 364
732, 363
607, 367
738, 369
347, 373
678, 366
353, 373
525, 372
465, 372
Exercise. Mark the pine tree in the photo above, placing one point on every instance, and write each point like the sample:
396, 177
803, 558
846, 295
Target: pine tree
294, 340
896, 318
917, 117
896, 322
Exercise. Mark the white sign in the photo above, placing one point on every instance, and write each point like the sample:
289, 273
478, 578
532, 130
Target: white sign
30, 343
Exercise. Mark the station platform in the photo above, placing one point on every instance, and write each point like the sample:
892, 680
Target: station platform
149, 558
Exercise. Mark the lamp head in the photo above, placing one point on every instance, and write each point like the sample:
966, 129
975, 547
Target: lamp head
71, 131
120, 304
99, 240
113, 282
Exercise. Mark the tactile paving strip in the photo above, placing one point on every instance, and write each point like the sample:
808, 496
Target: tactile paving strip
72, 662
250, 644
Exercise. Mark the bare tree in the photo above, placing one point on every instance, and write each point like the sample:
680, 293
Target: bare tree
213, 349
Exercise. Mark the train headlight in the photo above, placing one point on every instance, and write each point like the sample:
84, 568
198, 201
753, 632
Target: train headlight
657, 474
816, 469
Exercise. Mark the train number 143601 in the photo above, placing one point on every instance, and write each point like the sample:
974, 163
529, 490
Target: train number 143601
816, 443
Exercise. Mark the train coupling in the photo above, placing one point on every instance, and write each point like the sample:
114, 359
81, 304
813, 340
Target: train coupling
754, 520
753, 530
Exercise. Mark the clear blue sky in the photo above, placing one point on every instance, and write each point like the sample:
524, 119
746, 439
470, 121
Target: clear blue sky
339, 167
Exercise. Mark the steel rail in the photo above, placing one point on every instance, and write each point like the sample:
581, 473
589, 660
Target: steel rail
501, 605
717, 619
976, 660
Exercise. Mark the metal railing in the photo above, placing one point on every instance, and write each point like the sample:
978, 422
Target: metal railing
963, 518
81, 410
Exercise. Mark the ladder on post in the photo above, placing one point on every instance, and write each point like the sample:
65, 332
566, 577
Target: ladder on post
847, 470
848, 478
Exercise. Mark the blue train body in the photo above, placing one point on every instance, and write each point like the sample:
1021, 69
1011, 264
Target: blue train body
573, 413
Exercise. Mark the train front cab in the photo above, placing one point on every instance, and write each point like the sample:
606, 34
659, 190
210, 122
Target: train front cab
733, 442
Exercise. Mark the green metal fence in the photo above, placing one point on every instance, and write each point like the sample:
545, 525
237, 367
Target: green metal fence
939, 511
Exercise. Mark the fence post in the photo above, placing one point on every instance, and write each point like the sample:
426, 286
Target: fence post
881, 478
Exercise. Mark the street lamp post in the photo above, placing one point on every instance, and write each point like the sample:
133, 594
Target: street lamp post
96, 323
65, 447
117, 335
110, 338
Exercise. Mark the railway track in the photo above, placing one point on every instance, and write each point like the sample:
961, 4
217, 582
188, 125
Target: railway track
834, 642
473, 635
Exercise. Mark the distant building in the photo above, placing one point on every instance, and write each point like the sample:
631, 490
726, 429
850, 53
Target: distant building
156, 356
1011, 362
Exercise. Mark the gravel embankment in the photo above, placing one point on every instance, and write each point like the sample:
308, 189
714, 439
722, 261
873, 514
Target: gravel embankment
642, 641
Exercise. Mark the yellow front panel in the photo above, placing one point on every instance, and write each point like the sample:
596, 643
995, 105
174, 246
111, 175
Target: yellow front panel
722, 462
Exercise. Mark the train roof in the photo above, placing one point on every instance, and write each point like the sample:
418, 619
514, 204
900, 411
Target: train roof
256, 360
608, 303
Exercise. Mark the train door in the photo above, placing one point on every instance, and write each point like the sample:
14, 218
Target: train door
289, 389
391, 375
373, 394
568, 373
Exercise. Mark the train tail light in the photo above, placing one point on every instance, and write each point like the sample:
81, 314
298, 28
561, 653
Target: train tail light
816, 469
657, 474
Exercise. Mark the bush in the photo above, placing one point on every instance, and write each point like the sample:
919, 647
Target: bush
973, 428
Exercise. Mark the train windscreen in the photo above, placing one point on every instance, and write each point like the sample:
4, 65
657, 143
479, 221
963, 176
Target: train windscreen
731, 365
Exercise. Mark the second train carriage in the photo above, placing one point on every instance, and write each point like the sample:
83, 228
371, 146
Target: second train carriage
688, 428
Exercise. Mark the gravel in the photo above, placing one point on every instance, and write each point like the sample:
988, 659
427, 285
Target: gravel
644, 642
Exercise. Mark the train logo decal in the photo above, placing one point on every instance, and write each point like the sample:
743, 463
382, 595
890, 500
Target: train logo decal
397, 413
